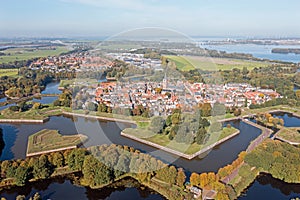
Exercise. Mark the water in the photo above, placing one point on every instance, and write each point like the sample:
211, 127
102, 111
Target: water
61, 188
100, 132
51, 88
259, 51
267, 187
104, 132
296, 88
289, 120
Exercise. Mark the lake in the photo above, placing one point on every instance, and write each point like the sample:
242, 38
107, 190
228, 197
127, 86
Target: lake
259, 51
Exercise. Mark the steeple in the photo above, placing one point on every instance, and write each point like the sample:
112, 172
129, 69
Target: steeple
165, 80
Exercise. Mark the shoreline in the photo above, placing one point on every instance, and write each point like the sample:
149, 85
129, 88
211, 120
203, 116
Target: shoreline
99, 117
24, 120
178, 153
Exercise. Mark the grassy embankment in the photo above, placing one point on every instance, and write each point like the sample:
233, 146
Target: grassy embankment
51, 140
186, 63
9, 72
40, 114
18, 54
163, 140
290, 134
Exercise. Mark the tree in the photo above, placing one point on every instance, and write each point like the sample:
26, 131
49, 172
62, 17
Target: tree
180, 179
22, 106
201, 136
237, 112
58, 159
37, 105
172, 173
211, 177
37, 196
122, 165
169, 120
206, 109
42, 168
194, 179
215, 127
91, 106
218, 109
21, 176
175, 118
20, 197
102, 107
95, 173
76, 158
157, 124
203, 180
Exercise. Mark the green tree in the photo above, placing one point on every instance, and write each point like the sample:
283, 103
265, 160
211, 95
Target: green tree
76, 158
42, 168
157, 124
58, 159
180, 179
21, 176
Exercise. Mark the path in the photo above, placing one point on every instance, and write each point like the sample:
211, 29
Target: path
265, 134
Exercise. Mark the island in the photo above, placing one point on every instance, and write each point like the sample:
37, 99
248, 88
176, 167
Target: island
182, 134
285, 50
48, 141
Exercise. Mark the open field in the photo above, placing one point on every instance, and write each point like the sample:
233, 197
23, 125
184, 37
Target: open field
289, 134
186, 63
18, 54
163, 140
51, 140
9, 72
77, 81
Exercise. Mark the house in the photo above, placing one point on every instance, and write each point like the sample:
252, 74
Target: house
196, 191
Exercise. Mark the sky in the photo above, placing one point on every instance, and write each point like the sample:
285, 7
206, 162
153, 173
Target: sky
226, 18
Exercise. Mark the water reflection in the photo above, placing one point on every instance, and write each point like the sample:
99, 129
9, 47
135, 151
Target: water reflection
267, 187
64, 188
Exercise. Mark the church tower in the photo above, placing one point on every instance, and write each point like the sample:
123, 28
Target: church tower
165, 81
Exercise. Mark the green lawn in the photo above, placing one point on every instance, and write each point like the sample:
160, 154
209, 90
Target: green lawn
164, 140
9, 72
18, 54
46, 140
290, 134
187, 63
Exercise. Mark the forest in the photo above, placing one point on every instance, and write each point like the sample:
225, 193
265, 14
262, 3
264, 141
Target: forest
280, 159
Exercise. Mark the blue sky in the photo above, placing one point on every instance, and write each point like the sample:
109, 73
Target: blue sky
267, 18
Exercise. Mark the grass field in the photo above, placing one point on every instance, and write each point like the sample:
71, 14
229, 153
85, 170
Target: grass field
47, 140
290, 134
187, 63
77, 81
164, 140
9, 72
18, 54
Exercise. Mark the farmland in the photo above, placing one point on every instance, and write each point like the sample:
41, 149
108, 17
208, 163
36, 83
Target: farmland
17, 54
187, 63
